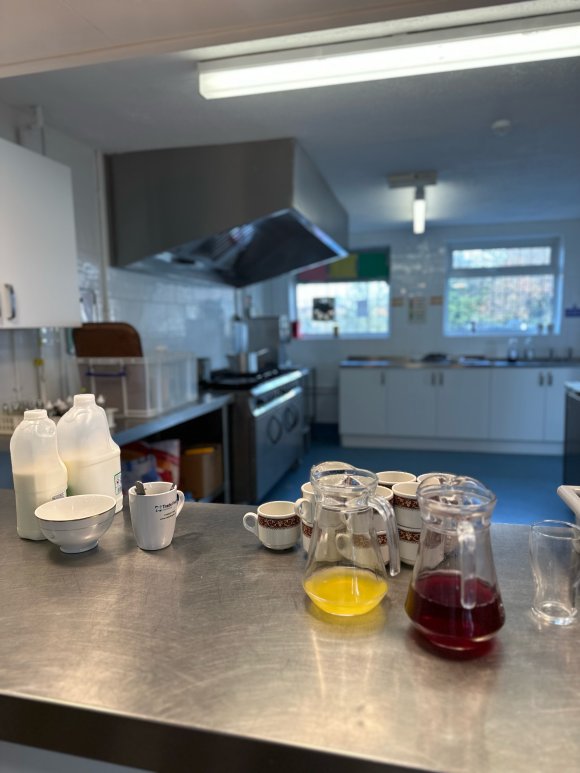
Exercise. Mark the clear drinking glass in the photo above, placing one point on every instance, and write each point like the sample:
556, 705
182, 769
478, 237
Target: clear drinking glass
555, 558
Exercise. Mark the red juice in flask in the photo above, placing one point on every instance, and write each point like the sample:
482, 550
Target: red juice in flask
434, 606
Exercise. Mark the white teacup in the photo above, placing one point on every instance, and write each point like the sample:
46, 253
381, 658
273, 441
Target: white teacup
406, 506
379, 524
276, 524
154, 513
437, 476
408, 517
305, 509
409, 544
388, 478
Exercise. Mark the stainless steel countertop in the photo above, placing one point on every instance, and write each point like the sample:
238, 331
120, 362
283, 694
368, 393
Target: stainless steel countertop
209, 656
131, 430
455, 363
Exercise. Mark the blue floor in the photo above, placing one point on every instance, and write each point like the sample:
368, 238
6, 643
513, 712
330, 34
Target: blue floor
525, 485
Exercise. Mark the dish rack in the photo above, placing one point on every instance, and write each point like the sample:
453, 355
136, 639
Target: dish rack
9, 422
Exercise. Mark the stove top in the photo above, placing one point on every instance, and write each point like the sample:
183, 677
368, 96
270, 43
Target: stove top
227, 379
230, 380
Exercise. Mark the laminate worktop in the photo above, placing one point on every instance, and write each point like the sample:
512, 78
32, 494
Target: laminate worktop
208, 656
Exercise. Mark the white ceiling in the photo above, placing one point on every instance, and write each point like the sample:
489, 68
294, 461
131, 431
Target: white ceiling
356, 134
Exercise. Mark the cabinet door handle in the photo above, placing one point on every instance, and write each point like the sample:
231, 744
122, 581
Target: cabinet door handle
12, 298
441, 379
549, 378
541, 379
433, 379
382, 378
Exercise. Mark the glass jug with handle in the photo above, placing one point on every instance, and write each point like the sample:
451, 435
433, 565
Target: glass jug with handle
454, 599
345, 572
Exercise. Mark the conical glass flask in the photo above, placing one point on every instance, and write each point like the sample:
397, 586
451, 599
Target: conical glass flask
345, 572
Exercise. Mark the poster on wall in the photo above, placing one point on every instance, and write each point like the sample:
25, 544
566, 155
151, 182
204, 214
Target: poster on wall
323, 309
417, 309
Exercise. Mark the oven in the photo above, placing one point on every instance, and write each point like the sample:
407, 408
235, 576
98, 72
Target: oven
266, 429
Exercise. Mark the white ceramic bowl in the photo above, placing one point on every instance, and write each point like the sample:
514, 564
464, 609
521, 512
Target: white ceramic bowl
76, 523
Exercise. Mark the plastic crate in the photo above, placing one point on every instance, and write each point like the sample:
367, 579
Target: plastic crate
141, 387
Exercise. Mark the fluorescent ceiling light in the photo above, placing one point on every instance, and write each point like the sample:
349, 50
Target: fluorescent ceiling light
419, 212
487, 45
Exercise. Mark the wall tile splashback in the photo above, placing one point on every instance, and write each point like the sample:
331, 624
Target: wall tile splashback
193, 317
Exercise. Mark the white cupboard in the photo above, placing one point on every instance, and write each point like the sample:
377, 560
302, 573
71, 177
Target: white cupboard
412, 402
517, 409
463, 404
527, 404
438, 403
363, 401
38, 253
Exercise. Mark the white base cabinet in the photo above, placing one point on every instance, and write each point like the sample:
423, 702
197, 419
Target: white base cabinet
528, 403
516, 409
439, 403
38, 252
362, 405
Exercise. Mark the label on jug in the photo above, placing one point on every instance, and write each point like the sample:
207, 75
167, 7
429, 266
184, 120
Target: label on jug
118, 486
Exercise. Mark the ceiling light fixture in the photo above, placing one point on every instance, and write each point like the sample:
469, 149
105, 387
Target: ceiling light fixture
419, 211
418, 181
486, 45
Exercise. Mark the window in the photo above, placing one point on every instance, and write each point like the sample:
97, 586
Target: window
349, 297
498, 289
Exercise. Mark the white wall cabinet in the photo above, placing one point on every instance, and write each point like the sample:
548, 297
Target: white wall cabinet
528, 403
38, 252
363, 401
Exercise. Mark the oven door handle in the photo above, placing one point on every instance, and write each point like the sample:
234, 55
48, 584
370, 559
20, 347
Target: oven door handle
292, 394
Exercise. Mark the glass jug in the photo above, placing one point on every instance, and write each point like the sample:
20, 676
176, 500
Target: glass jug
345, 572
454, 599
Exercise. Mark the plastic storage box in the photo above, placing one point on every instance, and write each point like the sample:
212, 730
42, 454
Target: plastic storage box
141, 387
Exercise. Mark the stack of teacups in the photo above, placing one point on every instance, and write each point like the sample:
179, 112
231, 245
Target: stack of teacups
305, 509
385, 493
404, 501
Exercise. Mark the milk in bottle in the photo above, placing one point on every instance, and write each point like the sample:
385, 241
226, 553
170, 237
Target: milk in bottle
91, 456
38, 472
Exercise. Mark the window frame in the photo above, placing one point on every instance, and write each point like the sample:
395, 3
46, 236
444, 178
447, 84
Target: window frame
554, 268
342, 335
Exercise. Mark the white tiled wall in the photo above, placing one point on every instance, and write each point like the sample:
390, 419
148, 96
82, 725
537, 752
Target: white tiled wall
192, 317
418, 267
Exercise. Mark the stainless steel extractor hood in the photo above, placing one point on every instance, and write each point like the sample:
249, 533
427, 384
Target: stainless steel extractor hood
238, 213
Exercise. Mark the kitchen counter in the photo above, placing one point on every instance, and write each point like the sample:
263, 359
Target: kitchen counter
208, 656
461, 362
130, 430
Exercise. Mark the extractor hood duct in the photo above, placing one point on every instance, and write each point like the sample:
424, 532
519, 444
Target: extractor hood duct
237, 214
